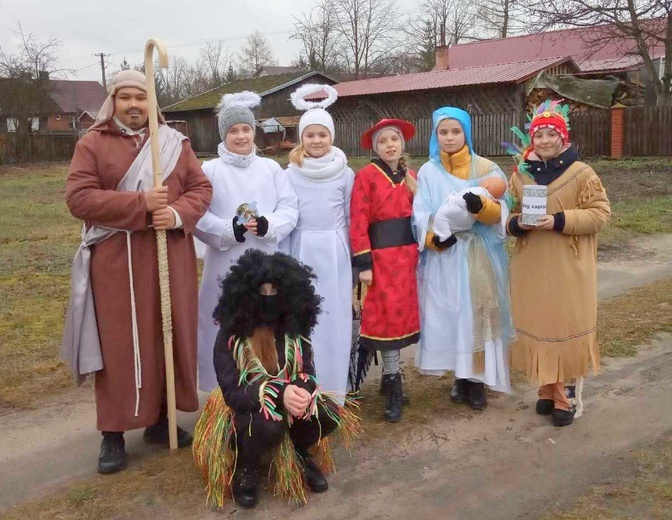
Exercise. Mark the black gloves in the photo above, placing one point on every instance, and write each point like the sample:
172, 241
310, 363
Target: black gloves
474, 202
559, 221
515, 229
262, 226
444, 244
238, 230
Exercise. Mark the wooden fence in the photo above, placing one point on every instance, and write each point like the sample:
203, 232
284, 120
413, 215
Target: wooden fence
591, 133
647, 131
488, 130
36, 147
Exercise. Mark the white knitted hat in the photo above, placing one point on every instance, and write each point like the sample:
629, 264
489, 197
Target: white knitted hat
315, 110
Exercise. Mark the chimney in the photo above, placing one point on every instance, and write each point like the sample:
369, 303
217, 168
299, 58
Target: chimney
441, 58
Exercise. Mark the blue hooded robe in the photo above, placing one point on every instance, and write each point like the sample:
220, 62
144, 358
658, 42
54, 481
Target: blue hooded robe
465, 318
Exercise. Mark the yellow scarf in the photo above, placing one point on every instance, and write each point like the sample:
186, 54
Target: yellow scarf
457, 164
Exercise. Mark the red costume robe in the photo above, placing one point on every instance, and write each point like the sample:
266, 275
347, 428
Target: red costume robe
102, 158
382, 240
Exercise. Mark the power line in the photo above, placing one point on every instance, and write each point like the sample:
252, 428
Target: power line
88, 66
102, 66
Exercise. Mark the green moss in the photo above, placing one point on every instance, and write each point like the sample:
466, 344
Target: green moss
210, 99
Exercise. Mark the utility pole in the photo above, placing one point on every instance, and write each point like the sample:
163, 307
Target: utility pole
102, 66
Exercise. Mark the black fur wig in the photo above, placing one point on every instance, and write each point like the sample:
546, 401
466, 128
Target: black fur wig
240, 305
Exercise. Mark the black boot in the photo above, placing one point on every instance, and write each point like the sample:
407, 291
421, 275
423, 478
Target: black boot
460, 391
562, 417
245, 484
312, 474
394, 397
477, 399
158, 434
112, 453
545, 406
382, 390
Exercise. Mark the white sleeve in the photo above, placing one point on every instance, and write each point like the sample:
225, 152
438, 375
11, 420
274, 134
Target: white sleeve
178, 219
215, 231
286, 213
211, 229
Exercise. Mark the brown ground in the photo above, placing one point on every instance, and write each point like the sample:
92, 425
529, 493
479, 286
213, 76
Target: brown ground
443, 459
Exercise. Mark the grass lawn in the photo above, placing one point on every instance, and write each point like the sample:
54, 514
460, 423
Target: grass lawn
38, 239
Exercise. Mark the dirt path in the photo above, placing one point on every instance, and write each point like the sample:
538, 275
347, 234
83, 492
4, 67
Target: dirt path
485, 466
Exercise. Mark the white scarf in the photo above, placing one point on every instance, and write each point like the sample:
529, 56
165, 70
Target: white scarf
235, 159
127, 129
327, 168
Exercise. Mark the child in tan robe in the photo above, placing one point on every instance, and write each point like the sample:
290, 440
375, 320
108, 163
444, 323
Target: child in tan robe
554, 264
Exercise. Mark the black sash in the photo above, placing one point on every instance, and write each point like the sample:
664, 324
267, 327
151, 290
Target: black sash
394, 232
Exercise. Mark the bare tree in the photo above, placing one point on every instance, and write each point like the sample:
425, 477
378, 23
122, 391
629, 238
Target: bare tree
646, 23
441, 22
368, 30
231, 74
255, 54
175, 83
319, 38
25, 82
215, 58
501, 18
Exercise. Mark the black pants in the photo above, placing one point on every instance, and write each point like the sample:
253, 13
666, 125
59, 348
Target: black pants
255, 435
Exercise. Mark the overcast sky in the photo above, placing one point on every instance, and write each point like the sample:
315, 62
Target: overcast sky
121, 29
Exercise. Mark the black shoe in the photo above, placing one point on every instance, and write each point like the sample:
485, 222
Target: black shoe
313, 475
112, 453
245, 485
158, 434
545, 406
394, 398
562, 417
477, 399
460, 391
382, 390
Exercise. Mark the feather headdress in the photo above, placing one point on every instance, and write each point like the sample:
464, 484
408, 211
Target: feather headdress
301, 103
551, 114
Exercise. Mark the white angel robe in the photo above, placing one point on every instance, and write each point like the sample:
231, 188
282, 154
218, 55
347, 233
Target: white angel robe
263, 181
321, 240
446, 315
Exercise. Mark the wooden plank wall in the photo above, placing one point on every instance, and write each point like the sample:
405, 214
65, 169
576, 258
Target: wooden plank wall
36, 147
591, 133
647, 131
489, 130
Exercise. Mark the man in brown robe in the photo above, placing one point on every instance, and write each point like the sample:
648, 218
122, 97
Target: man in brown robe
130, 387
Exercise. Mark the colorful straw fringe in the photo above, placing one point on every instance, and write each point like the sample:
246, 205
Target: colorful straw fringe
214, 446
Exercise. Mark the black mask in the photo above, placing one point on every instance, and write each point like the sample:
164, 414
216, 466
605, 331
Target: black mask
269, 310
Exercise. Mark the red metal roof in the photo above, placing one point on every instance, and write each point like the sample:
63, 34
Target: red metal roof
504, 73
579, 43
78, 96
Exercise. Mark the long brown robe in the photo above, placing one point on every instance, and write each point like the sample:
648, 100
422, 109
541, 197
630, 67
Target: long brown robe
101, 160
554, 280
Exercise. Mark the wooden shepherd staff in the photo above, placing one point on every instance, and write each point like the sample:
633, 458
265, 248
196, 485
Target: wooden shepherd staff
161, 243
